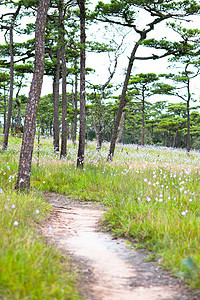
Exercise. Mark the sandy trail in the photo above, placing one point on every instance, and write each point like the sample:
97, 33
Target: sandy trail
112, 270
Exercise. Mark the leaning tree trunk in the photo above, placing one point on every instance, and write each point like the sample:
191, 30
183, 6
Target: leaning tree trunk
24, 170
122, 101
143, 35
9, 114
81, 149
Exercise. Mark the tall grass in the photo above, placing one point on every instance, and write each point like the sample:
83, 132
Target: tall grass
29, 269
151, 195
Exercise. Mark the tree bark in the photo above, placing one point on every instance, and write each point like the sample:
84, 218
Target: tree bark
56, 102
121, 128
188, 117
95, 127
63, 152
5, 108
81, 149
143, 116
24, 170
9, 114
75, 101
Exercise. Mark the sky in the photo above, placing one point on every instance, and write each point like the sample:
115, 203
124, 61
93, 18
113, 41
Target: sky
100, 62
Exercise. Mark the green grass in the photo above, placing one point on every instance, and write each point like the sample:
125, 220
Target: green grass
151, 195
29, 268
156, 205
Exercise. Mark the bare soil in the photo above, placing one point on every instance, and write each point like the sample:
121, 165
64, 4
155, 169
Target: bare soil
110, 268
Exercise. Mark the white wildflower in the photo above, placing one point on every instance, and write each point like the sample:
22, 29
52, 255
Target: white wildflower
183, 213
21, 180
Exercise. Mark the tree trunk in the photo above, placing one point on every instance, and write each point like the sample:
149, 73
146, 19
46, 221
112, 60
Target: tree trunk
188, 110
143, 117
24, 170
74, 127
121, 128
188, 117
50, 128
9, 114
5, 108
124, 130
18, 115
188, 127
81, 149
95, 127
122, 101
100, 128
174, 140
63, 152
56, 102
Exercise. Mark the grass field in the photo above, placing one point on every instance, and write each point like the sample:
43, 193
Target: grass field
152, 196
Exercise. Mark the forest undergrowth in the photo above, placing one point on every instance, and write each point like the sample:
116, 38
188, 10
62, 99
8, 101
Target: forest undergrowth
151, 193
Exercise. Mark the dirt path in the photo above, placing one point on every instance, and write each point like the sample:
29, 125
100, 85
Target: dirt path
111, 270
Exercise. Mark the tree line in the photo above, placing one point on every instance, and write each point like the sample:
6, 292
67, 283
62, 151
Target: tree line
58, 49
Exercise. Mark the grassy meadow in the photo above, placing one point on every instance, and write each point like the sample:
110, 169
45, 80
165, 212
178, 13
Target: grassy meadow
151, 193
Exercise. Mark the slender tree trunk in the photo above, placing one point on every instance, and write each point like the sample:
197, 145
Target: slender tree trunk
63, 152
188, 127
74, 127
5, 109
188, 117
100, 129
56, 102
54, 91
9, 114
95, 127
19, 104
50, 128
143, 117
121, 127
124, 130
24, 170
72, 123
174, 140
81, 149
18, 115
